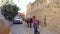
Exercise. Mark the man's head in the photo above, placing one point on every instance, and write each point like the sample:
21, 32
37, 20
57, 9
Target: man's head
34, 17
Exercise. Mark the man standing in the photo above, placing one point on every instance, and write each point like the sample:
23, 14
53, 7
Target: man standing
35, 24
30, 22
27, 21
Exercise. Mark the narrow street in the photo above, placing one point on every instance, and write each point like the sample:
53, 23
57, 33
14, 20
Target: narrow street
23, 29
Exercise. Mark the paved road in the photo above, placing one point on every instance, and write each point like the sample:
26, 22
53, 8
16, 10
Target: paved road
23, 29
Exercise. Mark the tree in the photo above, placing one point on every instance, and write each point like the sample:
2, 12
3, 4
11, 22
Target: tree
9, 11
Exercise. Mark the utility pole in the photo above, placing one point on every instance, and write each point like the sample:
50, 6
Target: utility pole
45, 21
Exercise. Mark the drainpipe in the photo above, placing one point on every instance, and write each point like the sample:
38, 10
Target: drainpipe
45, 21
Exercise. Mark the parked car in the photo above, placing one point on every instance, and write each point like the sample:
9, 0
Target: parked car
18, 20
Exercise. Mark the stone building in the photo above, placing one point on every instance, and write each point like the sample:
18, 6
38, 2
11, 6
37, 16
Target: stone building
28, 10
48, 11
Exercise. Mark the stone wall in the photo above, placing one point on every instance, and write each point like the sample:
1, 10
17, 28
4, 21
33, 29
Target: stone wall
28, 10
52, 14
1, 23
3, 28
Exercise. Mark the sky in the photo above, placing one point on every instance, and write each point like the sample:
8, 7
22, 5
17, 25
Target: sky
22, 4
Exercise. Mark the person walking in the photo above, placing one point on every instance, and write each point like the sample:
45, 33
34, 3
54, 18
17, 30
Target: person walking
35, 22
27, 21
30, 22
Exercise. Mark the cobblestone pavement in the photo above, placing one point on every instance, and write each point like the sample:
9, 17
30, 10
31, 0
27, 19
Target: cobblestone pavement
23, 29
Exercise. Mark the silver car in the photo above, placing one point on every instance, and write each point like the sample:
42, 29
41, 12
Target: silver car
18, 20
